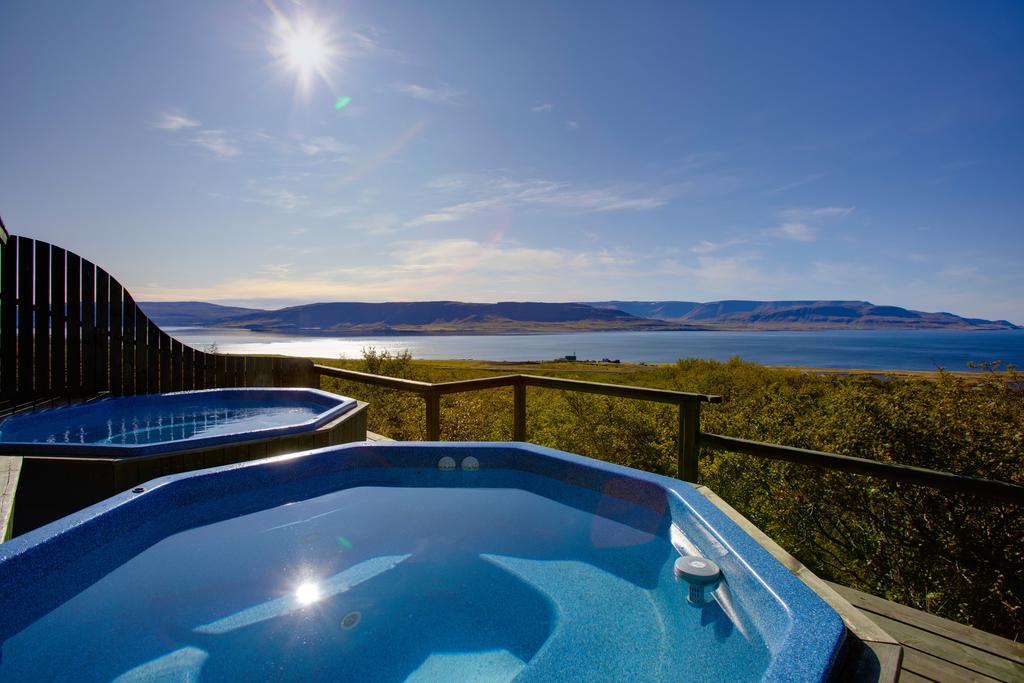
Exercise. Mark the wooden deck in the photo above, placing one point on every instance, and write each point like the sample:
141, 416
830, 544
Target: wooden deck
936, 649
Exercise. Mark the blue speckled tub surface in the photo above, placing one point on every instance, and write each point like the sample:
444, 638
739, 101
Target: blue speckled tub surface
161, 423
368, 562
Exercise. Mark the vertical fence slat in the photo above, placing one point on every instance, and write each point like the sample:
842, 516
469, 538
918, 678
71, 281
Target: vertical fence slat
25, 308
166, 382
116, 321
73, 270
201, 381
41, 319
58, 323
8, 319
128, 351
188, 367
176, 365
213, 376
152, 357
141, 376
88, 327
102, 329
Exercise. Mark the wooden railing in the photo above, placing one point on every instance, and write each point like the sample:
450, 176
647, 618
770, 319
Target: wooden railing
690, 439
67, 328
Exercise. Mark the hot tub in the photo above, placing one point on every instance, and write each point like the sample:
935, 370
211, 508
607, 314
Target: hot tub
79, 455
406, 562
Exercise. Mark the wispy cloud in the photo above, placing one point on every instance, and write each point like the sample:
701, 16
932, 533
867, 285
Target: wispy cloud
709, 247
799, 182
278, 198
174, 121
805, 214
505, 193
572, 125
442, 94
217, 142
541, 108
801, 232
802, 224
324, 145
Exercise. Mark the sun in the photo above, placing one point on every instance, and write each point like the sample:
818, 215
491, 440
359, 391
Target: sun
303, 47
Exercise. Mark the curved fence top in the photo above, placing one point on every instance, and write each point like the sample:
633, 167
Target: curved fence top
68, 328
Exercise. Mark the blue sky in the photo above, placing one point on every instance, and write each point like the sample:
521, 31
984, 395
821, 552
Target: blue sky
512, 151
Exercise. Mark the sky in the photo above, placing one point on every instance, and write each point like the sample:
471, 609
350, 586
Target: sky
269, 154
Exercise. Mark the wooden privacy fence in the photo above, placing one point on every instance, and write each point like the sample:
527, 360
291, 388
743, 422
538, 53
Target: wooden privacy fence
67, 328
690, 439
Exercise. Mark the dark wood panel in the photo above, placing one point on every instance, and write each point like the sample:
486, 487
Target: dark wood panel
176, 365
58, 323
73, 268
188, 362
88, 326
8, 319
41, 319
128, 349
25, 364
199, 370
115, 338
152, 357
166, 382
141, 352
102, 329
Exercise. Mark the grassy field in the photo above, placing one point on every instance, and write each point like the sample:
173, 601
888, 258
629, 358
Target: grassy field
950, 554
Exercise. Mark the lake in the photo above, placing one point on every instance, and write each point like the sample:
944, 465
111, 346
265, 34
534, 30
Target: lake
864, 349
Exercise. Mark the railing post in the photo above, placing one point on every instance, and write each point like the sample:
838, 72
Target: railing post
689, 435
433, 415
519, 412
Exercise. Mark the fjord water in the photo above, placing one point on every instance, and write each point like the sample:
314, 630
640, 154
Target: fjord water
427, 583
864, 349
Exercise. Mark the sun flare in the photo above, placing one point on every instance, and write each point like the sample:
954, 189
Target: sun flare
303, 47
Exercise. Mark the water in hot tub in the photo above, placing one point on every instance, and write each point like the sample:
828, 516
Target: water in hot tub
389, 584
154, 421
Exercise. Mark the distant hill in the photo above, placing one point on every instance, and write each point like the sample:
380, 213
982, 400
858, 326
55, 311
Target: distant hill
799, 315
190, 313
416, 317
509, 317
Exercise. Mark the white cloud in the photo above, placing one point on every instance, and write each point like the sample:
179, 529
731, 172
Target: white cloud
216, 141
805, 214
801, 232
174, 121
278, 198
573, 125
506, 193
709, 247
801, 224
324, 145
443, 94
542, 107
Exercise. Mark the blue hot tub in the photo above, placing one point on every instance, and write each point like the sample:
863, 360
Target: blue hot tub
406, 562
76, 456
151, 424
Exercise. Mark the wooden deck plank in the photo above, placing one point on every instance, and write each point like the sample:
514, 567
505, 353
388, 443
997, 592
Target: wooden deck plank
950, 630
954, 653
935, 669
10, 470
940, 649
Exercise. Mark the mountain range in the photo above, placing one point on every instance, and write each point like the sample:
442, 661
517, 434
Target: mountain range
512, 317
